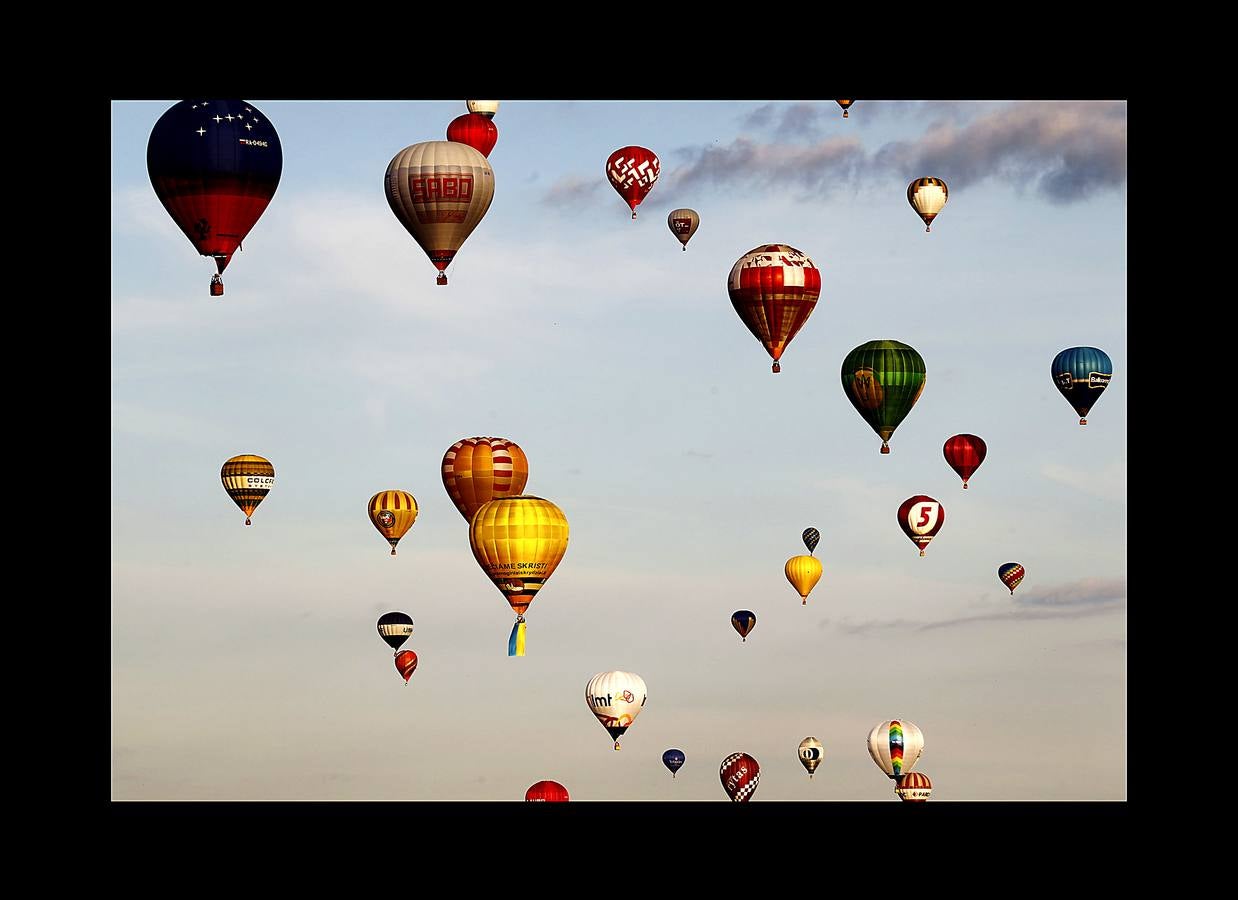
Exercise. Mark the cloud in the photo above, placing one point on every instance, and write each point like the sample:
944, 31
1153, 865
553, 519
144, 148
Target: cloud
1086, 592
698, 454
1066, 151
1107, 484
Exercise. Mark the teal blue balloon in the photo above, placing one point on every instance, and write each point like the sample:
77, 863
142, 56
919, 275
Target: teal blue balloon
1081, 375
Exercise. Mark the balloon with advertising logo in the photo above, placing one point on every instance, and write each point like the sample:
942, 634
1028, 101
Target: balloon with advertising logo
683, 224
895, 746
774, 289
812, 751
811, 537
964, 453
927, 197
485, 108
803, 572
395, 628
913, 787
673, 760
406, 664
846, 105
476, 130
215, 165
247, 478
739, 774
921, 517
393, 513
439, 190
546, 792
518, 542
883, 380
477, 470
743, 621
616, 699
1011, 574
1081, 375
632, 172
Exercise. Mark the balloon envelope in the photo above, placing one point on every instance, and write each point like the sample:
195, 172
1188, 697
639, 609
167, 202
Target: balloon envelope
632, 172
913, 787
477, 470
393, 513
811, 752
395, 628
1081, 375
811, 537
616, 699
803, 572
546, 792
406, 664
774, 289
739, 774
743, 621
964, 453
927, 196
883, 380
683, 224
478, 131
921, 517
673, 760
247, 478
1011, 574
485, 108
895, 746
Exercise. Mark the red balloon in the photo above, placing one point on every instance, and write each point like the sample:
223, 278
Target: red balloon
475, 130
965, 453
921, 518
632, 172
406, 664
546, 792
914, 787
739, 775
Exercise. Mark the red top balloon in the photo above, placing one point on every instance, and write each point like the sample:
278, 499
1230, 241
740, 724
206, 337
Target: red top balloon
965, 453
739, 775
406, 664
921, 518
476, 130
546, 792
632, 172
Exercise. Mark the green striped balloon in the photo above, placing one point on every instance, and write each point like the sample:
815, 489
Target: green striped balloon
883, 380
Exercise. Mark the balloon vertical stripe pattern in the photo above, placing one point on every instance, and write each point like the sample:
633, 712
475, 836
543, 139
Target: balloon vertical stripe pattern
1081, 375
395, 628
683, 224
774, 289
247, 478
913, 787
895, 746
393, 513
803, 572
964, 453
927, 197
883, 379
480, 469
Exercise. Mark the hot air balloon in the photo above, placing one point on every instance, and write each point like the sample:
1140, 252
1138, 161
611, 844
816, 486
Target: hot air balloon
439, 190
845, 104
921, 517
774, 289
683, 223
811, 536
743, 621
811, 753
739, 775
895, 746
546, 792
964, 453
406, 664
803, 572
247, 479
215, 165
883, 380
485, 108
913, 787
393, 514
479, 469
927, 196
673, 760
476, 130
518, 542
632, 172
1082, 374
616, 698
1010, 574
395, 628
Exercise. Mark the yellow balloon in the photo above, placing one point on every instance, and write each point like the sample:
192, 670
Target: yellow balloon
803, 572
518, 542
393, 513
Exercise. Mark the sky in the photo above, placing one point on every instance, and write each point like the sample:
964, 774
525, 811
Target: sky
245, 663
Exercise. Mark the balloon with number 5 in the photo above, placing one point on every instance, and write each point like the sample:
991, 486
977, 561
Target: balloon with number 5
921, 518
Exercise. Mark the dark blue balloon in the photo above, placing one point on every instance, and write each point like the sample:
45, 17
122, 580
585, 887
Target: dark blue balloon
673, 760
1081, 374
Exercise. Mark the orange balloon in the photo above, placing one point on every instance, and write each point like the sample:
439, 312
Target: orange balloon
477, 470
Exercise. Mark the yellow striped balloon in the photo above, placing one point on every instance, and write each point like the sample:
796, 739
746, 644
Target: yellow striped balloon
477, 470
518, 542
803, 572
247, 479
393, 514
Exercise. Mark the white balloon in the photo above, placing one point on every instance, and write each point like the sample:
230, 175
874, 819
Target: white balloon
616, 698
811, 753
888, 738
485, 108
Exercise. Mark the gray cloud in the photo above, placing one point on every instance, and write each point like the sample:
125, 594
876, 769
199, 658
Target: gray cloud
570, 191
1086, 592
698, 454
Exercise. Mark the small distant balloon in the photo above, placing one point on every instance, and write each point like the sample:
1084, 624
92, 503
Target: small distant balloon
1081, 375
812, 751
803, 572
739, 774
927, 196
774, 288
476, 130
883, 379
964, 453
811, 536
921, 517
743, 621
895, 746
683, 224
616, 699
632, 172
395, 628
845, 104
1011, 574
406, 664
546, 792
913, 787
247, 478
393, 513
485, 108
673, 760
